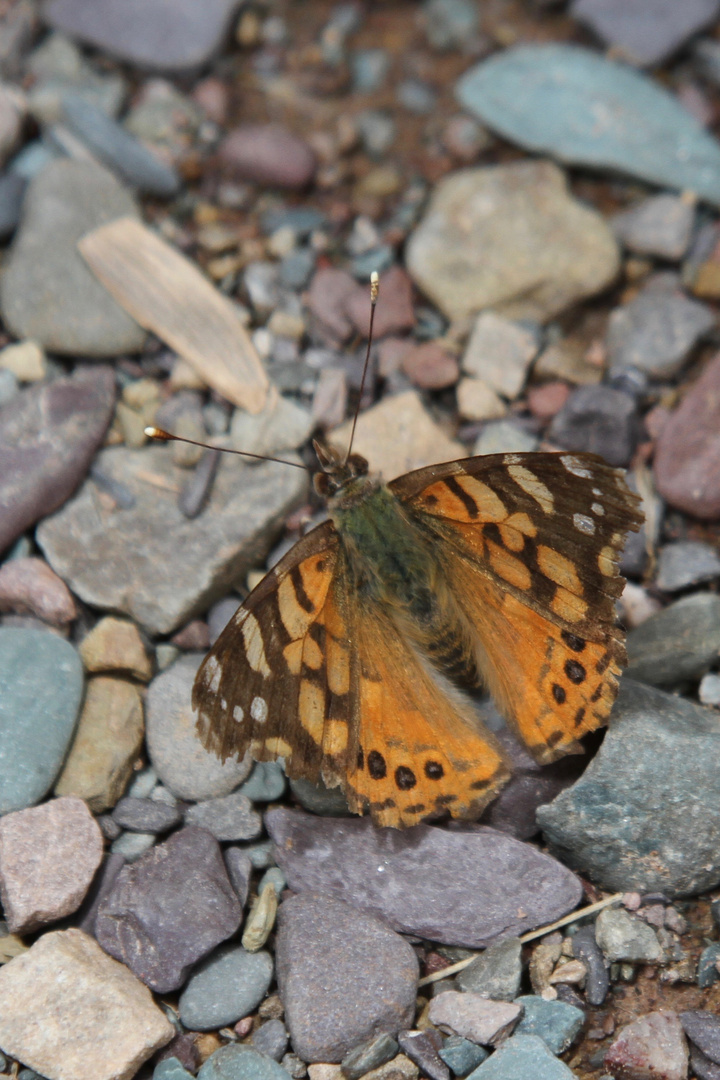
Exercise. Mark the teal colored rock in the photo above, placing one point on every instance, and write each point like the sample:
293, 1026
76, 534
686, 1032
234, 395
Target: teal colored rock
170, 1069
41, 687
462, 1056
229, 984
237, 1062
583, 109
555, 1022
522, 1057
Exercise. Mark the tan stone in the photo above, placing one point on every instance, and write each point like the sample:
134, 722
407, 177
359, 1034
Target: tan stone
26, 360
478, 401
108, 740
71, 1012
48, 857
414, 440
115, 645
400, 1068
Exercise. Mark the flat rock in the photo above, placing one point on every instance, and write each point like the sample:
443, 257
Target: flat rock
510, 237
499, 351
48, 858
369, 1056
703, 1028
146, 815
41, 687
660, 225
458, 887
597, 419
478, 401
645, 33
557, 1023
169, 909
70, 1012
162, 36
652, 1046
684, 563
107, 743
178, 756
115, 645
423, 1048
677, 644
474, 1017
656, 332
430, 366
523, 1056
271, 1038
230, 984
29, 587
496, 972
47, 441
179, 566
47, 291
616, 827
230, 817
626, 938
461, 1055
505, 437
547, 99
240, 1062
343, 976
687, 455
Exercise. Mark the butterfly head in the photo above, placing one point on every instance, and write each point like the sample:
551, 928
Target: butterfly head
340, 475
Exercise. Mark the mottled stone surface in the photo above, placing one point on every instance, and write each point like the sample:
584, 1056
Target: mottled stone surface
169, 909
179, 566
70, 1012
459, 887
510, 237
343, 975
29, 587
678, 643
48, 436
48, 857
652, 1046
230, 984
648, 32
474, 1017
115, 645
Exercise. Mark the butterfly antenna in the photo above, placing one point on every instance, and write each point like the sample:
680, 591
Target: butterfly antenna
165, 436
374, 290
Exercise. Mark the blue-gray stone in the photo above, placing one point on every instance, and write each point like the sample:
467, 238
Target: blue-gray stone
41, 687
296, 268
239, 1062
272, 1039
239, 868
265, 783
261, 855
548, 98
230, 817
369, 69
556, 1023
707, 972
318, 799
495, 973
586, 948
9, 387
380, 258
368, 1056
461, 1055
274, 876
12, 193
656, 332
521, 1057
684, 563
647, 32
617, 826
680, 643
450, 24
170, 1069
301, 219
225, 987
131, 845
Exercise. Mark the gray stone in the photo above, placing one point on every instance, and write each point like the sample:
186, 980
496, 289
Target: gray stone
179, 566
496, 973
656, 332
653, 1045
318, 799
369, 1056
511, 238
47, 441
58, 66
555, 1022
261, 854
271, 1038
450, 24
147, 33
624, 937
230, 984
586, 948
684, 563
146, 815
101, 884
504, 437
240, 1062
41, 687
703, 1028
709, 690
474, 1017
275, 877
702, 1067
679, 643
500, 352
12, 196
522, 1056
230, 817
343, 976
170, 1069
423, 1048
457, 887
178, 756
68, 1011
707, 969
47, 292
660, 225
266, 782
648, 32
116, 148
597, 419
547, 98
131, 845
239, 868
169, 909
461, 1055
48, 858
616, 825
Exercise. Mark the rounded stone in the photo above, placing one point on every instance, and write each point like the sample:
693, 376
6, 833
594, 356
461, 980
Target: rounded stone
230, 984
268, 154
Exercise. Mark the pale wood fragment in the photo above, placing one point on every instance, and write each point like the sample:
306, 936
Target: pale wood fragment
165, 293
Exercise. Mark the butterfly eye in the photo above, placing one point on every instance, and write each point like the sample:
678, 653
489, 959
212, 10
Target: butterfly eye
357, 465
324, 485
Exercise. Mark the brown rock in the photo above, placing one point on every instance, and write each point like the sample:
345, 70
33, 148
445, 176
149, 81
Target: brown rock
70, 1012
546, 400
194, 637
115, 645
474, 1017
430, 366
108, 740
394, 309
650, 1048
48, 856
30, 587
268, 154
687, 457
328, 298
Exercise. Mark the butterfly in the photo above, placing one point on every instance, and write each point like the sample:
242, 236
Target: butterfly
352, 658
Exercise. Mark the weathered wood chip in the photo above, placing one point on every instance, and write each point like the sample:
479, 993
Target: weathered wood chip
167, 294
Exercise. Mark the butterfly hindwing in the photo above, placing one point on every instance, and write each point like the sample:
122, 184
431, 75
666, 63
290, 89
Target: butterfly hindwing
529, 545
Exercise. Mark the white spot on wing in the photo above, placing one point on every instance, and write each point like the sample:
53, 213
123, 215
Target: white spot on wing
599, 509
259, 710
213, 674
512, 459
238, 714
576, 467
584, 524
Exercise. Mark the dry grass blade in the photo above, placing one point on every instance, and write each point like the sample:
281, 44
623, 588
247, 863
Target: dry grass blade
165, 293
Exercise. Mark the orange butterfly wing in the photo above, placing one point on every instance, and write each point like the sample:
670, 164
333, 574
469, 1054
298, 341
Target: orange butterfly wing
529, 545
